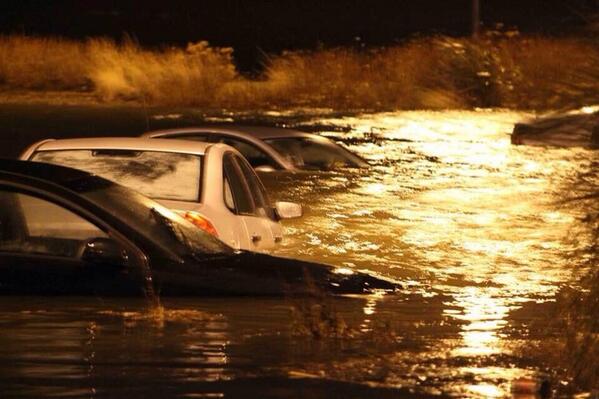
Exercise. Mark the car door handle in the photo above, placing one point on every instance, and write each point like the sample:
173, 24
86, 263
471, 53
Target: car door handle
278, 239
256, 238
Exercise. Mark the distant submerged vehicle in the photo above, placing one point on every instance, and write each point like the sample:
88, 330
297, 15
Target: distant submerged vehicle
577, 128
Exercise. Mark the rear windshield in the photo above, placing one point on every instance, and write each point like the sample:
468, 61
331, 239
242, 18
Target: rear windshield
156, 174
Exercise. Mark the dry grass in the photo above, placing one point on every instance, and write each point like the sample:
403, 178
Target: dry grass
551, 73
42, 63
193, 76
442, 73
396, 77
433, 73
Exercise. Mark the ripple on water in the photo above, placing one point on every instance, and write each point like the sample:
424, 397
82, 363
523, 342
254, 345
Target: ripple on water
475, 228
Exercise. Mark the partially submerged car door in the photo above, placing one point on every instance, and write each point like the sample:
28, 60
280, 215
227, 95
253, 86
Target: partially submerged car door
245, 196
48, 247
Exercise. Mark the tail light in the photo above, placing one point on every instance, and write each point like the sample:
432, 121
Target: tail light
201, 222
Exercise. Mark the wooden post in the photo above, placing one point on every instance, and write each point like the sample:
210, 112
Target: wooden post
475, 18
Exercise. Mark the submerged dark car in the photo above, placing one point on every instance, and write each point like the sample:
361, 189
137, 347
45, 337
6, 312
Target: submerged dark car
64, 231
577, 128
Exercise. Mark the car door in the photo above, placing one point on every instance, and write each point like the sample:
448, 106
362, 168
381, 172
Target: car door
264, 209
48, 248
240, 197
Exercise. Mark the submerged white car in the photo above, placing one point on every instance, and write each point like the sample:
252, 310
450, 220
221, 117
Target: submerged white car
211, 185
272, 148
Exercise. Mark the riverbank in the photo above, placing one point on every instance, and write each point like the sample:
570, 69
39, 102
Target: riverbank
500, 70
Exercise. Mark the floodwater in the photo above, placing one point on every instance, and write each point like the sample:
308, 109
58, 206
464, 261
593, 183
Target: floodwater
481, 233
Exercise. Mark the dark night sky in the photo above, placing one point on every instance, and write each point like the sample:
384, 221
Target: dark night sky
252, 27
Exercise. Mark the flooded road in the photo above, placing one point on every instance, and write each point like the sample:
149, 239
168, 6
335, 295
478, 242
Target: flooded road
482, 234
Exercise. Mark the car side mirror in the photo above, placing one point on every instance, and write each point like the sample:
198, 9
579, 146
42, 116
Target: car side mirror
288, 210
105, 252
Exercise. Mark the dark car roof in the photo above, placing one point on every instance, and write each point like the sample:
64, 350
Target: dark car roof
60, 175
265, 132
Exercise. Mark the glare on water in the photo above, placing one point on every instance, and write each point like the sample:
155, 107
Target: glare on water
450, 203
475, 228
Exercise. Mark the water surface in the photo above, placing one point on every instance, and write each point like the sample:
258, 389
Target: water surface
481, 233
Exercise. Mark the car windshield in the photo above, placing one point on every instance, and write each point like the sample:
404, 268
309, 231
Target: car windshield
162, 226
307, 153
156, 174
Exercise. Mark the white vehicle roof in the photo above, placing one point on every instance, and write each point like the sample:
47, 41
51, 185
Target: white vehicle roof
125, 143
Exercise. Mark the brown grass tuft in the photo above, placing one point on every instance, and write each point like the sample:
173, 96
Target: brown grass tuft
193, 76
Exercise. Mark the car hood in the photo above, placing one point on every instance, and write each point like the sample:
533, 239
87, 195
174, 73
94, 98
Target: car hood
251, 273
310, 277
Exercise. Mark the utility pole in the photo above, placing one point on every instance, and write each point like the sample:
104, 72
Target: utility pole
475, 18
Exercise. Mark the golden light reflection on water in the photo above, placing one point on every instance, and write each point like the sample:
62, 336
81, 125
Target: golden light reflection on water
457, 191
370, 310
483, 316
375, 188
473, 227
486, 390
208, 346
451, 201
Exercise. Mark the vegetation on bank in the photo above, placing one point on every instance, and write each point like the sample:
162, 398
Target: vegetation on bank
428, 73
569, 325
578, 316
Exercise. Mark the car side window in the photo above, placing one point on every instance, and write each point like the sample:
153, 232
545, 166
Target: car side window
255, 156
206, 138
32, 225
258, 191
252, 153
236, 183
311, 154
228, 196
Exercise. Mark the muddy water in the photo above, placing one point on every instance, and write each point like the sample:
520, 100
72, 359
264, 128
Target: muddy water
480, 232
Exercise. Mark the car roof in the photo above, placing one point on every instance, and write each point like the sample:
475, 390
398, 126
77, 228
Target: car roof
57, 174
585, 113
126, 143
260, 132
